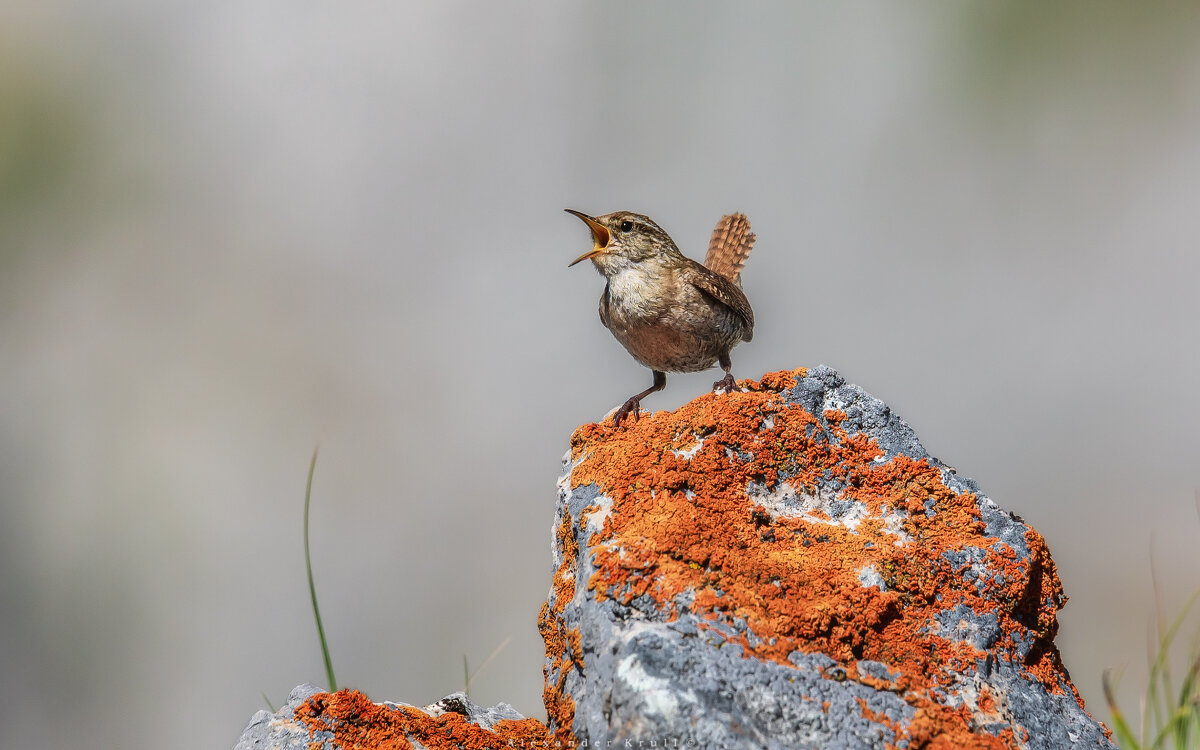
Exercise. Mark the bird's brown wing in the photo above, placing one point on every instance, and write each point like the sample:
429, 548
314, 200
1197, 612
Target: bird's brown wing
724, 291
729, 247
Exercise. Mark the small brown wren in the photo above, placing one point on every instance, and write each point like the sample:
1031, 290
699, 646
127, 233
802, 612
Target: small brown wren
671, 313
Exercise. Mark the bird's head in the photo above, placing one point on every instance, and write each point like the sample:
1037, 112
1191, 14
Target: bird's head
623, 239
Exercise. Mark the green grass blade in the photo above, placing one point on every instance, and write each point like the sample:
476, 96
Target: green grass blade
1120, 726
468, 675
312, 588
1187, 702
1173, 711
495, 652
1158, 693
1170, 715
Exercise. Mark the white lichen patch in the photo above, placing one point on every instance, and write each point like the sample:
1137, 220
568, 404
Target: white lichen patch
833, 401
688, 453
829, 508
987, 703
893, 523
869, 575
564, 480
596, 518
658, 694
825, 507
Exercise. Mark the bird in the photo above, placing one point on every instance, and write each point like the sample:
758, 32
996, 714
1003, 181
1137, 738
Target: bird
668, 311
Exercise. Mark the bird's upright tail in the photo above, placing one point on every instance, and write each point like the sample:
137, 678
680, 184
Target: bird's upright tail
729, 247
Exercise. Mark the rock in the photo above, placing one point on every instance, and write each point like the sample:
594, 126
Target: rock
787, 567
348, 719
280, 730
781, 567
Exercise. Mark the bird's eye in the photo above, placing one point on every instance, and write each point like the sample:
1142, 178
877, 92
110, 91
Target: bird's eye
626, 226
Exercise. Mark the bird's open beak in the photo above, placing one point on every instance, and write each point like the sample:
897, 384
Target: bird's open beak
600, 236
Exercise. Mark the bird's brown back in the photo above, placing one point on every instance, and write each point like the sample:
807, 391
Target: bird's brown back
729, 247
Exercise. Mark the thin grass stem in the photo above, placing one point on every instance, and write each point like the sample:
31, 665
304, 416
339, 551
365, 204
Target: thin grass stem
312, 588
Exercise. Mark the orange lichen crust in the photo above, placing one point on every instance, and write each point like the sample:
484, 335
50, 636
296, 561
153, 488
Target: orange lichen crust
356, 722
681, 520
563, 649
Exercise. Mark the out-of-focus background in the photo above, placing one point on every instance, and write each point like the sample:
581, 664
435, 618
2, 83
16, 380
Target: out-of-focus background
231, 231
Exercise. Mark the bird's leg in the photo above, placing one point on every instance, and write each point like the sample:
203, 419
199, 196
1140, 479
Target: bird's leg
726, 383
635, 402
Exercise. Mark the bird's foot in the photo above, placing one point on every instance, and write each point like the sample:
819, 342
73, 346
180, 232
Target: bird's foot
632, 406
727, 383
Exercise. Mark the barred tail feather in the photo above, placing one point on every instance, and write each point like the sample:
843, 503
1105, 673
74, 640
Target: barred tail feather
729, 247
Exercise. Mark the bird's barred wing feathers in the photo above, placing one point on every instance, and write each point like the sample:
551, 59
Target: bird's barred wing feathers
724, 291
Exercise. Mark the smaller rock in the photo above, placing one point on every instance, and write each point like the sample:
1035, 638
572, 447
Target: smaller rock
279, 730
460, 704
348, 719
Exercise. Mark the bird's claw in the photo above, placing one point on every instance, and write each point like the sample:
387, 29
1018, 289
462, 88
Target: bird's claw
633, 405
727, 383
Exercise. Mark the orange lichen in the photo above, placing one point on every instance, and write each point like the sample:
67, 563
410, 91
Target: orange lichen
356, 722
681, 520
939, 728
563, 648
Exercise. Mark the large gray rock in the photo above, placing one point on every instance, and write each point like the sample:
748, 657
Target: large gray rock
788, 568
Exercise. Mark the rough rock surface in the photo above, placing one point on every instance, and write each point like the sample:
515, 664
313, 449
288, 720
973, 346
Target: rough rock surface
781, 567
316, 720
280, 730
787, 567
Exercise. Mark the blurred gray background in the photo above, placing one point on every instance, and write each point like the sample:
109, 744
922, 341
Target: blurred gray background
231, 231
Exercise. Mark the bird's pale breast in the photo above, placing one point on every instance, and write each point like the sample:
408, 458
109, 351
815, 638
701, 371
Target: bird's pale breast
666, 323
